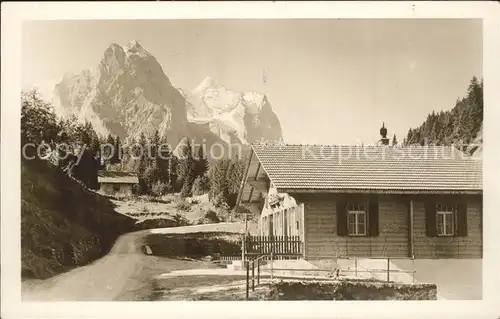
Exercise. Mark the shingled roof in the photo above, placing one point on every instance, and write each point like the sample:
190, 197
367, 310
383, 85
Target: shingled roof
364, 168
116, 177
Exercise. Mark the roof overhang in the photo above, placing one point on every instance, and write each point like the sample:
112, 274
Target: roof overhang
254, 182
379, 191
117, 181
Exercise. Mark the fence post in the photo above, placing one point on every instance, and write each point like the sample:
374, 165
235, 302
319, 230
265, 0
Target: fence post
253, 275
272, 264
388, 269
248, 279
243, 250
355, 266
413, 274
258, 271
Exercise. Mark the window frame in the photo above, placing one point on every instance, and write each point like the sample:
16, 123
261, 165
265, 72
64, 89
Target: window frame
354, 208
116, 187
443, 210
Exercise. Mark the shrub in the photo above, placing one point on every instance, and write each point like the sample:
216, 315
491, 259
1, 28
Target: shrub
183, 206
194, 201
201, 185
211, 216
186, 189
136, 189
241, 211
156, 223
220, 200
180, 220
160, 188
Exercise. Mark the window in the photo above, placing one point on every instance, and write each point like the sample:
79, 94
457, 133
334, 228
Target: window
356, 219
116, 187
357, 216
445, 220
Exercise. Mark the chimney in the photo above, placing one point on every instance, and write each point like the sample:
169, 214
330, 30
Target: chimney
383, 132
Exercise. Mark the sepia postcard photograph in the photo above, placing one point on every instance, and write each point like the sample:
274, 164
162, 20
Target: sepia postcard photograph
273, 158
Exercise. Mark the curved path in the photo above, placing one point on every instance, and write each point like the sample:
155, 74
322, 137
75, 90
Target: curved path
103, 279
125, 273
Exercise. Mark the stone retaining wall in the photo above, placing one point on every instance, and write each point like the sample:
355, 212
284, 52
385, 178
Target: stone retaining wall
350, 290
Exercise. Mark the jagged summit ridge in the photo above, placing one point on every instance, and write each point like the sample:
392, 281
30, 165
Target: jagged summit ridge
128, 93
207, 83
232, 114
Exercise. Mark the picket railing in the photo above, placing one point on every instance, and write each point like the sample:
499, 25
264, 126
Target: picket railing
229, 258
277, 245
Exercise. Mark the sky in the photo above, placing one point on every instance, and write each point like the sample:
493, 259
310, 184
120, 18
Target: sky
330, 81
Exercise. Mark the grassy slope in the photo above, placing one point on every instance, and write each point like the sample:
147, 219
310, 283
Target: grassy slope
63, 225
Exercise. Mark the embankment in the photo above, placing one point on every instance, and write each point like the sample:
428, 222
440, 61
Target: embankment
63, 225
194, 245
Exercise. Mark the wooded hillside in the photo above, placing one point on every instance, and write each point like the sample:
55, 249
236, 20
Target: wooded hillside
461, 126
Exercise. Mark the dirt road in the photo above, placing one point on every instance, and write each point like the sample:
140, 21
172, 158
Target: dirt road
125, 273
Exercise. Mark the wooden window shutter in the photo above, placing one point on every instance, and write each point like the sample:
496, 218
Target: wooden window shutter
461, 227
342, 217
430, 219
373, 217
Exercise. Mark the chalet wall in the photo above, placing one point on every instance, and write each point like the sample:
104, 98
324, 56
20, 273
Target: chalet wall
449, 247
322, 240
321, 229
107, 188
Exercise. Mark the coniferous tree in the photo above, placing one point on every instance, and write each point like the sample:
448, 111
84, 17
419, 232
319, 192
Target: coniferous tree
460, 125
394, 140
234, 176
164, 160
109, 150
143, 153
117, 151
201, 163
187, 169
143, 163
219, 189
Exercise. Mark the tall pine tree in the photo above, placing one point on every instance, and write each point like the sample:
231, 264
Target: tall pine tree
187, 169
164, 160
201, 163
394, 140
117, 151
143, 164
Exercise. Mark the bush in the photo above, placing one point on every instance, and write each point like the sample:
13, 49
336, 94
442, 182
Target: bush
183, 206
186, 189
193, 201
180, 220
136, 189
241, 211
160, 188
220, 200
209, 218
201, 185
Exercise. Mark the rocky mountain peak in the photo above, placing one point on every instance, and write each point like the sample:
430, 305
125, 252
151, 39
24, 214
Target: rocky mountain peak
133, 46
130, 94
242, 116
207, 83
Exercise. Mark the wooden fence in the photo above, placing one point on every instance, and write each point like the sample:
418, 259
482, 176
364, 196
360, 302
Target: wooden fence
278, 245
